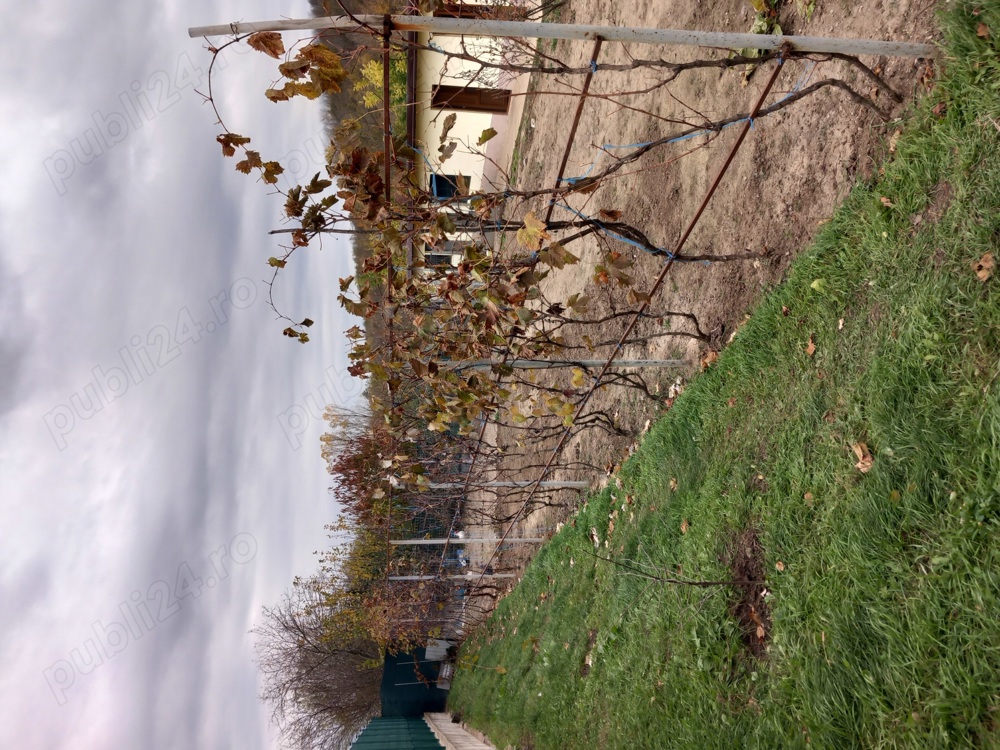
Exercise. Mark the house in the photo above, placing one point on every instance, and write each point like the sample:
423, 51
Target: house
480, 99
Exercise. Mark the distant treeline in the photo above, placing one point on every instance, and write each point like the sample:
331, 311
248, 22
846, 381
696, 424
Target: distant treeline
348, 104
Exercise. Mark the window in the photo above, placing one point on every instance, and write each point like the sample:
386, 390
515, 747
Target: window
444, 186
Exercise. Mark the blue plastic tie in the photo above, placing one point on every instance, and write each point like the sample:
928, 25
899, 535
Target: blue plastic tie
593, 66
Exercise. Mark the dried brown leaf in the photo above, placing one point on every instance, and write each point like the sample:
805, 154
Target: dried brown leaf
983, 31
984, 267
447, 125
865, 459
894, 140
811, 347
268, 42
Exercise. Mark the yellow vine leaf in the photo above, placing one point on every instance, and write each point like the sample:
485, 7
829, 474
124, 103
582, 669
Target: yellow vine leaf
532, 233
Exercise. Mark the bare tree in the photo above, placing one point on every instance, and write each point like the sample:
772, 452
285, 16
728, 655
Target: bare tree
322, 689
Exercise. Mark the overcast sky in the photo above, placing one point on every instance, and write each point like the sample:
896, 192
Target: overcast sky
160, 477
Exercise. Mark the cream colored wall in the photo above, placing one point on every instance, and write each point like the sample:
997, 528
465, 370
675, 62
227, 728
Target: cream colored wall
468, 159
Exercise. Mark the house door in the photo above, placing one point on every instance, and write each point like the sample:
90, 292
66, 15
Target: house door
471, 99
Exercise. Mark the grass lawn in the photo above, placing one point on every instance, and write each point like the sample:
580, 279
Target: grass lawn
841, 460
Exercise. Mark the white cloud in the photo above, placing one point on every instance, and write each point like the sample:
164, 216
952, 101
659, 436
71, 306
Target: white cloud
103, 254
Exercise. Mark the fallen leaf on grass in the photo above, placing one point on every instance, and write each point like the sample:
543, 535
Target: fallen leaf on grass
926, 77
732, 402
983, 31
501, 670
894, 140
865, 460
739, 327
984, 267
840, 324
673, 484
785, 310
811, 348
886, 202
760, 631
939, 109
780, 566
684, 526
708, 360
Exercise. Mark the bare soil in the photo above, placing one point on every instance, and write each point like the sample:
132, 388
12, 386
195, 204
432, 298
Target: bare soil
745, 559
794, 168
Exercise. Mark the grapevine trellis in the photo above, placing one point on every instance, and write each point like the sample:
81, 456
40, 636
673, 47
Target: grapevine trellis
478, 378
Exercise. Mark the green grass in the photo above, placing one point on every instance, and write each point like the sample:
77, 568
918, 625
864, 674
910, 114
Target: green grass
886, 610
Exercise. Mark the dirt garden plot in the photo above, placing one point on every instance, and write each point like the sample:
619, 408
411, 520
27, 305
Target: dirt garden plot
793, 169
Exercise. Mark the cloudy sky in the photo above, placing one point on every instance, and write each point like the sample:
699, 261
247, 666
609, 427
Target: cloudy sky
160, 477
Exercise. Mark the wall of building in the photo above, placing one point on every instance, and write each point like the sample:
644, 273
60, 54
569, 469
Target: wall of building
434, 69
